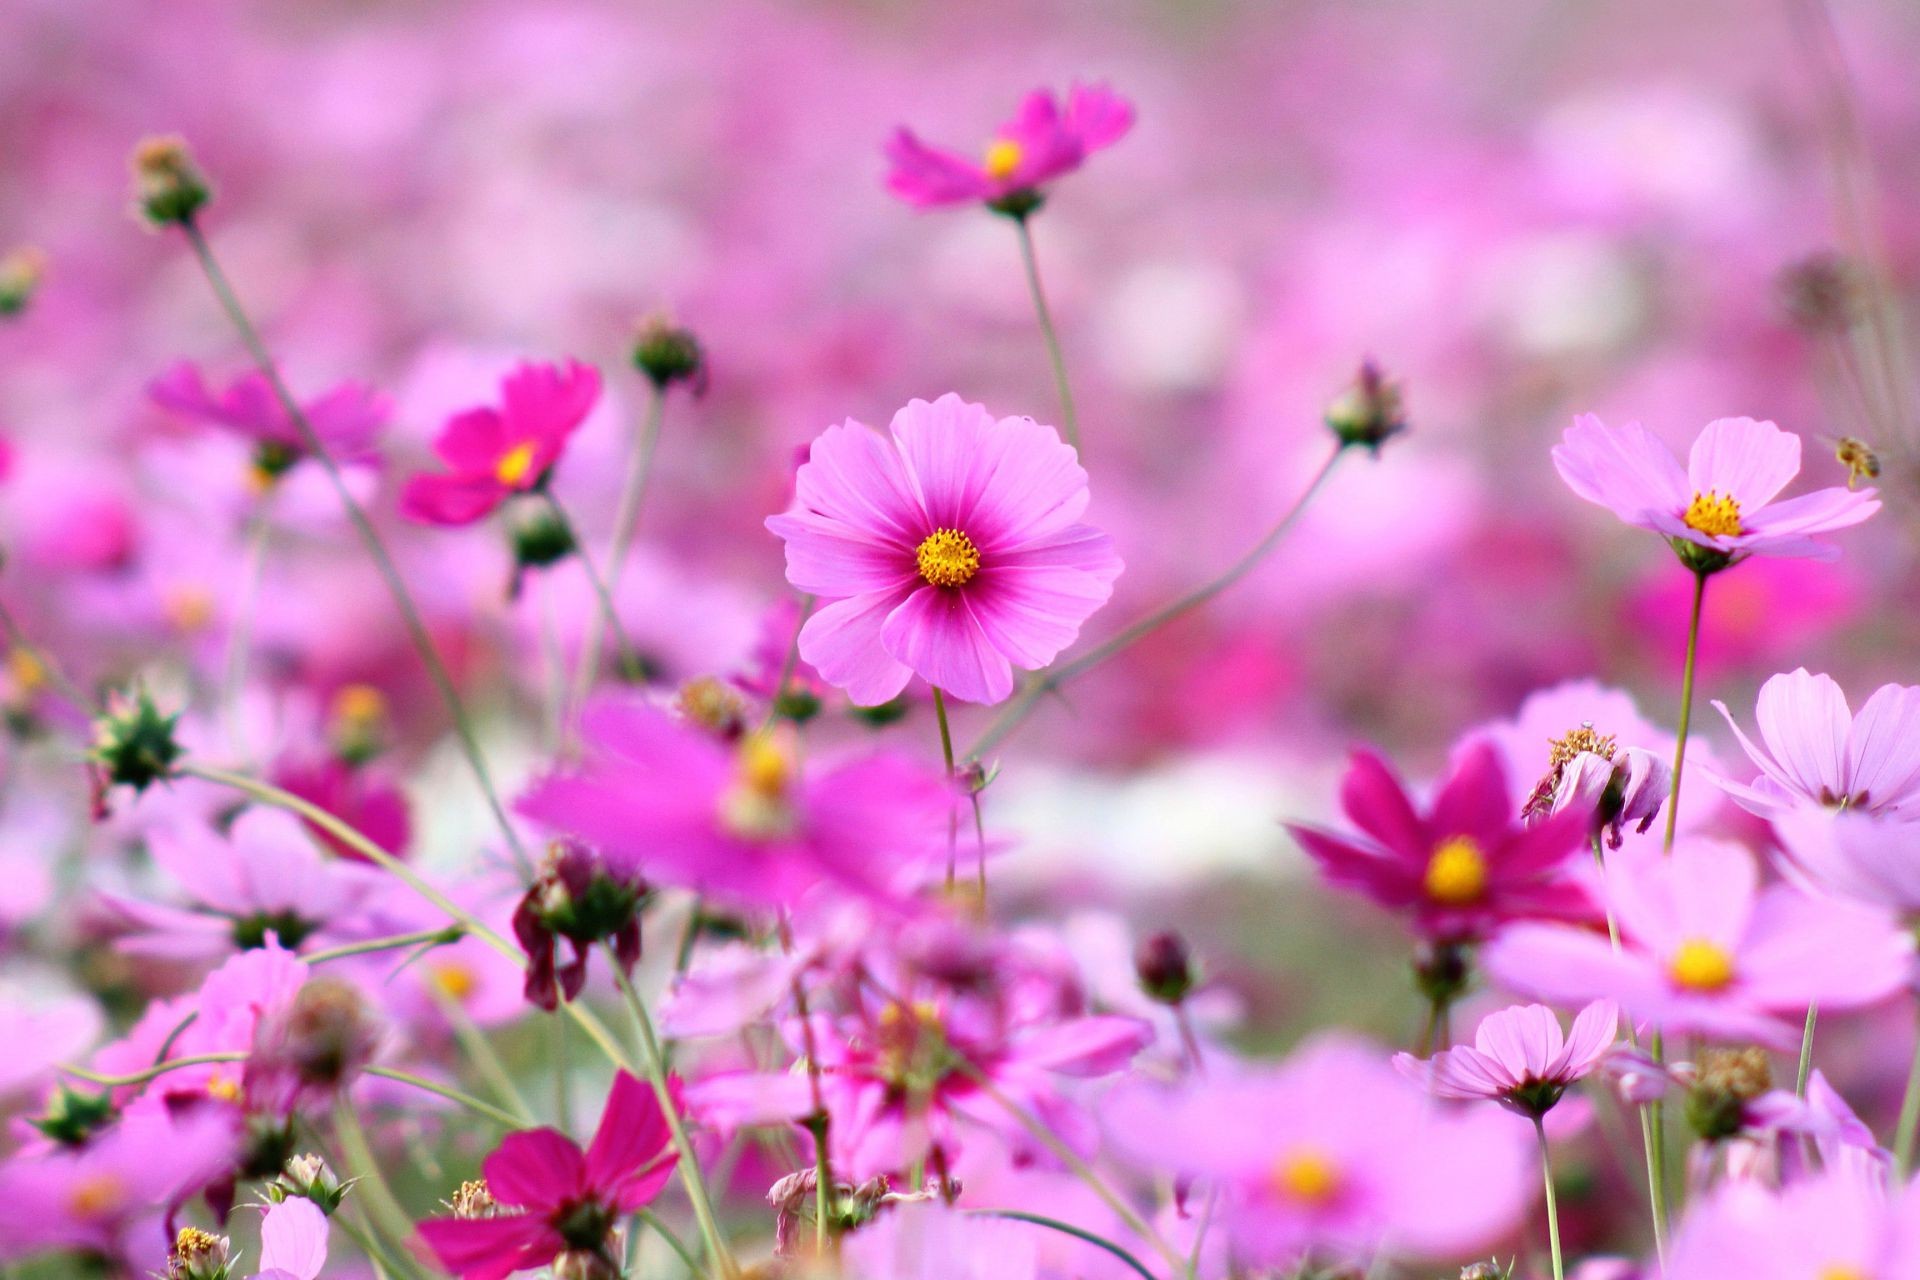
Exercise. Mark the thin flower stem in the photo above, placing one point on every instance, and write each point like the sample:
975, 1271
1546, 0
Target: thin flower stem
653, 1066
376, 548
446, 935
1686, 707
1806, 1052
1052, 680
652, 1219
1553, 1208
1613, 926
1903, 1136
626, 514
1068, 1229
1069, 416
946, 754
480, 1051
1653, 1131
240, 636
622, 647
505, 1119
383, 1207
562, 1096
820, 1125
157, 1069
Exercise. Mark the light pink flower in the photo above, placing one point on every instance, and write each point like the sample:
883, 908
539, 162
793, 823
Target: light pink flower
1819, 752
293, 1241
1837, 1227
347, 419
1706, 950
1044, 140
1872, 859
951, 549
494, 453
1723, 502
1519, 1058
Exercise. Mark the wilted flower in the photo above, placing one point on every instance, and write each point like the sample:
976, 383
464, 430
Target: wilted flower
577, 898
1587, 773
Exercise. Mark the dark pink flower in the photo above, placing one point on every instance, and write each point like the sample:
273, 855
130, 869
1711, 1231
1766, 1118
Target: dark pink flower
556, 1198
494, 453
1044, 140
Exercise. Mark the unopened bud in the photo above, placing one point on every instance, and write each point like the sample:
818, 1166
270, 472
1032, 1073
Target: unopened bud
308, 1177
168, 185
668, 353
1369, 412
1165, 967
133, 743
21, 271
72, 1117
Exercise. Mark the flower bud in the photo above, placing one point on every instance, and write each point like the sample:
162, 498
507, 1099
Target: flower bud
668, 353
1165, 967
1369, 412
71, 1117
133, 744
308, 1177
1441, 971
199, 1255
168, 185
21, 271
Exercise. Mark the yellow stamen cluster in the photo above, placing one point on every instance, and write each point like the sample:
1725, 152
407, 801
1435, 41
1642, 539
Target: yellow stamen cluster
225, 1088
1307, 1176
1713, 513
947, 558
453, 980
95, 1196
514, 464
1578, 742
1841, 1271
28, 672
473, 1200
1003, 157
758, 806
1457, 872
1701, 965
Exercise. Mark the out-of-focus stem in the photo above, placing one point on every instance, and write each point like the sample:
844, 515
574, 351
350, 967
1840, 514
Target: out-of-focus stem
626, 514
946, 754
1903, 1136
623, 648
376, 548
1806, 1053
1069, 417
444, 936
505, 1119
383, 1207
240, 636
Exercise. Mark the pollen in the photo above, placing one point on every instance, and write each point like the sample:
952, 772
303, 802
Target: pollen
225, 1088
758, 806
28, 672
96, 1196
514, 465
1457, 873
1700, 965
1713, 513
1003, 157
948, 558
455, 981
1841, 1271
1307, 1176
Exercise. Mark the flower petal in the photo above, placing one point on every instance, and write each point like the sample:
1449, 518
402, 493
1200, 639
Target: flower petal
1746, 460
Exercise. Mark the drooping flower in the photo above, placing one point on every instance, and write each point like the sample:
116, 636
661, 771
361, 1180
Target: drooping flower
347, 419
580, 900
1044, 140
547, 1198
1819, 753
493, 453
1721, 508
1466, 865
951, 549
1705, 949
1841, 1226
1519, 1057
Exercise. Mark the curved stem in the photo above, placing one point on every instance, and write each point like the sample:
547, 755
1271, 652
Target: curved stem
1806, 1052
652, 1219
1066, 1228
626, 514
383, 1207
1686, 707
1069, 417
505, 1119
1903, 1136
157, 1069
1051, 681
441, 937
1553, 1208
376, 548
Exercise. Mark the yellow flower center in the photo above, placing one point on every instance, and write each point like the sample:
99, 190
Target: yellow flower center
1457, 872
455, 981
1714, 514
188, 607
359, 705
757, 806
948, 558
28, 672
1003, 157
1841, 1271
514, 464
1700, 965
95, 1196
1308, 1176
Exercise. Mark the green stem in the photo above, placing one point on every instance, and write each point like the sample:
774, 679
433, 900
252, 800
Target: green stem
1686, 707
1051, 681
652, 1065
946, 754
623, 647
505, 1119
383, 1208
626, 514
1903, 1136
1806, 1053
652, 1219
376, 548
157, 1069
1553, 1208
1653, 1132
562, 1098
1068, 1229
1069, 417
446, 935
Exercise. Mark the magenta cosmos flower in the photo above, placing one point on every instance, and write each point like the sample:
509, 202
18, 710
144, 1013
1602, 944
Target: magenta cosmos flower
347, 419
494, 453
1818, 752
1722, 503
1044, 140
553, 1198
1464, 866
1704, 949
951, 549
1519, 1058
1841, 1226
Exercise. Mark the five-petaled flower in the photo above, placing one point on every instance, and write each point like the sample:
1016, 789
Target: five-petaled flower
494, 453
1044, 140
1519, 1057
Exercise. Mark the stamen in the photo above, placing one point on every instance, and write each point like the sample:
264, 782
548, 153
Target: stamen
1308, 1176
514, 464
1003, 157
1700, 965
1713, 513
1457, 873
948, 558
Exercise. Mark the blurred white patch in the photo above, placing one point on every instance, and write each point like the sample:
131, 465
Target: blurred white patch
1171, 326
1560, 294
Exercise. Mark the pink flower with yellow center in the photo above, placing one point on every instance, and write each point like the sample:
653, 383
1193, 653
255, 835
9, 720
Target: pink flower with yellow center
493, 453
1045, 139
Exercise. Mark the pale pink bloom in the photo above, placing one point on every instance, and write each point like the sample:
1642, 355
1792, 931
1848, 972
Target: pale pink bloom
1723, 501
347, 419
1873, 859
1841, 1226
932, 1241
1705, 949
950, 548
1519, 1057
1043, 141
1817, 751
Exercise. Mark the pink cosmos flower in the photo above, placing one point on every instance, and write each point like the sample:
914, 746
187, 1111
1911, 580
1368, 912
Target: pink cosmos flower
1519, 1058
1705, 949
951, 549
1043, 141
1723, 502
347, 419
1818, 752
739, 821
293, 1241
494, 453
360, 795
1855, 854
568, 1201
1463, 867
1841, 1226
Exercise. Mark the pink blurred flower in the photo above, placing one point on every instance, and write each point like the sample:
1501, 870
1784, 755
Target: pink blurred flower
1819, 752
293, 1241
739, 821
1723, 502
1519, 1058
494, 453
1462, 868
951, 550
1706, 950
1759, 618
1872, 859
1043, 141
359, 795
347, 419
569, 1201
1841, 1226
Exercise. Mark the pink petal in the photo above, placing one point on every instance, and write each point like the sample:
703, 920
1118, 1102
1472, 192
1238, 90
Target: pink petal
1094, 1046
472, 441
1473, 800
1628, 470
926, 177
490, 1248
1376, 802
1031, 614
1003, 482
632, 1132
835, 560
1097, 116
1804, 721
1821, 511
538, 1168
842, 641
935, 633
854, 476
1883, 746
1747, 461
293, 1237
450, 499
